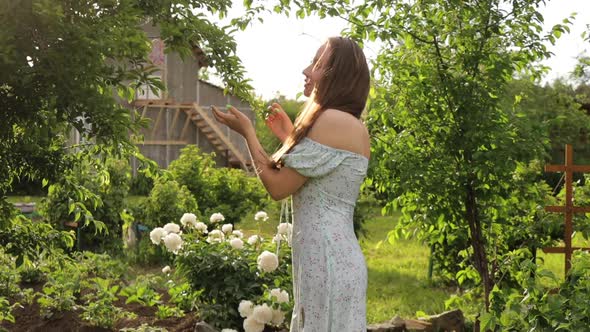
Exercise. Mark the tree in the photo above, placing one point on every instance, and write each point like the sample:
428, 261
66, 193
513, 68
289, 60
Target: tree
446, 150
69, 64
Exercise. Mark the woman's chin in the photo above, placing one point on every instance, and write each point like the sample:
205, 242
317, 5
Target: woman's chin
307, 92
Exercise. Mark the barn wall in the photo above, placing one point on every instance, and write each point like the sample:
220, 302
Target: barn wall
183, 86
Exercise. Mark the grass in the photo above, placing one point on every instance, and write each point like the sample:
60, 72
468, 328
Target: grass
398, 273
556, 262
24, 199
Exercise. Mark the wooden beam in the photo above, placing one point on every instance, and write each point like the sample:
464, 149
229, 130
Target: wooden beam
175, 119
144, 111
563, 209
561, 250
185, 127
163, 142
151, 102
158, 118
563, 168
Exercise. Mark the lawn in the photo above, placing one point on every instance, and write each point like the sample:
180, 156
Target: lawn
398, 273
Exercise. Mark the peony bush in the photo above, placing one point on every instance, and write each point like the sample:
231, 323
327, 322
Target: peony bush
243, 283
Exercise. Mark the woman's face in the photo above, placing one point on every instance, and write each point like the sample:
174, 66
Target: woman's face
313, 75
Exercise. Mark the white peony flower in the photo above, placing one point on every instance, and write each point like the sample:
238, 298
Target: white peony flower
173, 242
157, 234
261, 215
245, 308
166, 269
281, 295
277, 238
262, 313
267, 261
228, 330
188, 219
201, 226
278, 317
227, 228
172, 228
216, 217
252, 240
215, 236
251, 325
283, 228
238, 234
237, 243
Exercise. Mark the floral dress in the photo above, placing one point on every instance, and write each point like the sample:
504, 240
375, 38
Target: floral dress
329, 269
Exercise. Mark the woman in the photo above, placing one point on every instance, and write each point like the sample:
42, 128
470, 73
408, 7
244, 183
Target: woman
324, 159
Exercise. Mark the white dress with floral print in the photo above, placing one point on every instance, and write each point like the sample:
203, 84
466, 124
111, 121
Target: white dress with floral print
329, 269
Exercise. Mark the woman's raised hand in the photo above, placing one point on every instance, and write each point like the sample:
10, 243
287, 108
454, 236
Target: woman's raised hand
234, 119
278, 122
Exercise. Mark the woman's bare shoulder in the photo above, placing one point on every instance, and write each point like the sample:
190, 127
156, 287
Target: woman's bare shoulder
341, 130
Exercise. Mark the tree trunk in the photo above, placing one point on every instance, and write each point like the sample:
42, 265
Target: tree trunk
480, 257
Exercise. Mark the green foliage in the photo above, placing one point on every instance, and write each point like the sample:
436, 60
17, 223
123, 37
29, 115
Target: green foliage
9, 276
27, 240
60, 292
141, 184
550, 115
99, 56
434, 112
183, 296
237, 194
144, 328
5, 311
228, 191
96, 192
167, 202
532, 306
142, 292
99, 309
268, 140
165, 311
224, 276
195, 170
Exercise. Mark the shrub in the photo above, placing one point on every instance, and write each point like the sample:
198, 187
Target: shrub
225, 190
532, 306
141, 184
236, 194
224, 271
167, 202
196, 170
101, 193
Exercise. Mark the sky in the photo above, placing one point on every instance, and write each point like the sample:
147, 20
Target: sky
274, 53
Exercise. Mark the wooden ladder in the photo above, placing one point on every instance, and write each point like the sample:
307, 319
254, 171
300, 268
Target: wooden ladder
220, 140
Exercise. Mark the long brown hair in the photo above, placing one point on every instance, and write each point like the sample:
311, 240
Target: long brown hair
344, 86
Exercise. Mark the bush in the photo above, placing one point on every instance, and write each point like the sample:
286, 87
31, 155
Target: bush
167, 202
236, 194
141, 184
228, 191
532, 306
196, 171
101, 193
224, 275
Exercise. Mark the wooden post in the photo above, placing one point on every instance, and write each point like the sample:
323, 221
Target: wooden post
569, 209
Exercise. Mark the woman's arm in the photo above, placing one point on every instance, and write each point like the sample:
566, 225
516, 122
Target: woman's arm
279, 183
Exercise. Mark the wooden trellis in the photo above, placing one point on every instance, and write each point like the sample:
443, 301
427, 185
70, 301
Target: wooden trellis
569, 209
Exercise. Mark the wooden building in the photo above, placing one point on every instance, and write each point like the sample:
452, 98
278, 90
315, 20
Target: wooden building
181, 114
